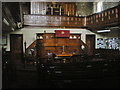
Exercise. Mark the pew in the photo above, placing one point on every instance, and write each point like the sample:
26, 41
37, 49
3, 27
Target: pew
74, 75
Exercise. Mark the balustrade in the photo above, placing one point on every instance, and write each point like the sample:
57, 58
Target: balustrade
109, 17
48, 20
105, 18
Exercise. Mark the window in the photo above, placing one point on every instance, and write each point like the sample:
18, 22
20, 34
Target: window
99, 6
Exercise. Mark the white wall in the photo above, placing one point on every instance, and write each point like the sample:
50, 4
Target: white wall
29, 34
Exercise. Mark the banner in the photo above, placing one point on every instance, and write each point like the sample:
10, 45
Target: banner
62, 33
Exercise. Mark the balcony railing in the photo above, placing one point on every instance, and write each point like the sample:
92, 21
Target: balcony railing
48, 20
108, 17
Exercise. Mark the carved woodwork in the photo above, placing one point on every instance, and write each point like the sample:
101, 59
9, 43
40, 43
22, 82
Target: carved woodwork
54, 21
48, 42
109, 17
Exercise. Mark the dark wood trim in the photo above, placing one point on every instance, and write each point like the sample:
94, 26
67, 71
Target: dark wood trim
107, 18
90, 42
53, 21
16, 50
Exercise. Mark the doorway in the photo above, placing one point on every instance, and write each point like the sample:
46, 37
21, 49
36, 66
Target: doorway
16, 48
90, 41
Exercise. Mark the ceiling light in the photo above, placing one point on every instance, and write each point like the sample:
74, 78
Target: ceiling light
6, 22
100, 31
12, 29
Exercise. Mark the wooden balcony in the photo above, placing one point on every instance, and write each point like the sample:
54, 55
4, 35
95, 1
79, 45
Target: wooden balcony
107, 18
54, 21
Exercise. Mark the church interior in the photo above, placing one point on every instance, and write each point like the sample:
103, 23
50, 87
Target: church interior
48, 44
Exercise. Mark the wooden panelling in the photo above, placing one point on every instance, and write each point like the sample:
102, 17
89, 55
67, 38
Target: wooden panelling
69, 9
68, 18
90, 41
53, 8
109, 17
60, 21
56, 45
16, 48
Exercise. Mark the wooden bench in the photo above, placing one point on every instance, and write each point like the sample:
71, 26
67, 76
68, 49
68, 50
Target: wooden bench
77, 74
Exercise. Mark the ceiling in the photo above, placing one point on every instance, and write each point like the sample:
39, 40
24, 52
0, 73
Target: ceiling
10, 16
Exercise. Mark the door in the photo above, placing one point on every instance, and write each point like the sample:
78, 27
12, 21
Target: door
90, 41
16, 48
